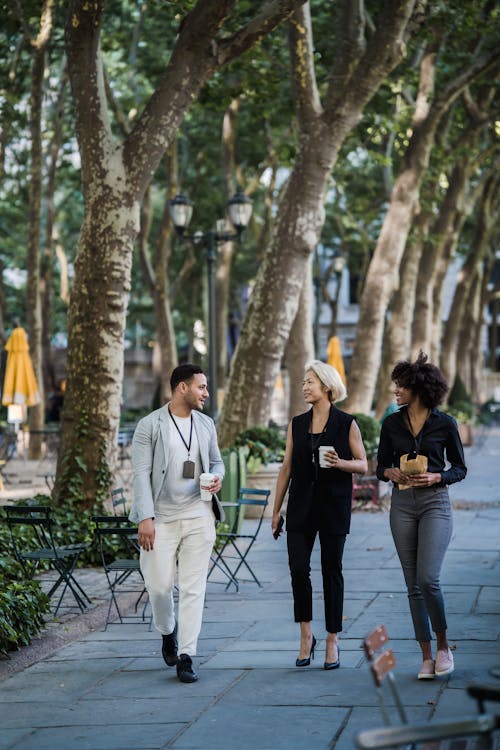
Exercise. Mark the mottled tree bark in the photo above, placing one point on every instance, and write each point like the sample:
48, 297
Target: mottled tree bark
439, 236
115, 176
226, 250
46, 280
477, 353
33, 301
300, 346
397, 335
485, 221
465, 341
444, 233
359, 68
156, 275
383, 272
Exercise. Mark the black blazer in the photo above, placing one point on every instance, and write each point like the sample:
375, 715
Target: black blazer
331, 490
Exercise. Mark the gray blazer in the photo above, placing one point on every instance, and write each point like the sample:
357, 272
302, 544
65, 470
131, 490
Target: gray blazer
150, 459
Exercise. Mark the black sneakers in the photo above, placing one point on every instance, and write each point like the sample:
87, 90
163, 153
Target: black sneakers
169, 648
185, 671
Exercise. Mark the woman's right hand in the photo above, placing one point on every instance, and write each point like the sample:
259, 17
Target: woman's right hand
275, 521
396, 476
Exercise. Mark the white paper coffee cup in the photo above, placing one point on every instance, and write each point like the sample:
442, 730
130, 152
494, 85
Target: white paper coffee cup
321, 451
205, 481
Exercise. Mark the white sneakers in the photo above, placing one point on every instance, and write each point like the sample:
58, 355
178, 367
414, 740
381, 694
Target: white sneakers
441, 666
428, 671
444, 662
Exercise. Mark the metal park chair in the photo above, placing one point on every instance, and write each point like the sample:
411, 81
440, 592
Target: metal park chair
118, 502
120, 559
237, 541
39, 548
475, 733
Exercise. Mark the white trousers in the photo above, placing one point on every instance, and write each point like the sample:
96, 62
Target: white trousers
188, 543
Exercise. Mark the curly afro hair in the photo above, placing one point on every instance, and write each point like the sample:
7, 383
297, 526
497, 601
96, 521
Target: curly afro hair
423, 379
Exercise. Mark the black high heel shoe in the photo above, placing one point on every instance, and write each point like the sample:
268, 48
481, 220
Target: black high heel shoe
333, 664
305, 662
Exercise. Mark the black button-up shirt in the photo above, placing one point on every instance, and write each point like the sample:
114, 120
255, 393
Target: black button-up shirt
439, 441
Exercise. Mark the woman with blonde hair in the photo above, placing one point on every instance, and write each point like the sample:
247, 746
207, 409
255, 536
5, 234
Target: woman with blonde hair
319, 502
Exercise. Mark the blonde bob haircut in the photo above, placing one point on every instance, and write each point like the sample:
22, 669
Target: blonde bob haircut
329, 378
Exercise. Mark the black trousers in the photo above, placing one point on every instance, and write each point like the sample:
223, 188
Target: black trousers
300, 545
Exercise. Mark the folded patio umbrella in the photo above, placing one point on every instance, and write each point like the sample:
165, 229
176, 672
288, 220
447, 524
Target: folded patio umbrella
334, 356
19, 386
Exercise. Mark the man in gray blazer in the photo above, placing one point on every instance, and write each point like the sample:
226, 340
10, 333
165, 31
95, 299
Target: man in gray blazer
171, 447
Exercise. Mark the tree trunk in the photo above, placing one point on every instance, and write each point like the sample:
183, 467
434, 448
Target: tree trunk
114, 180
439, 236
300, 347
442, 264
484, 225
96, 324
46, 286
467, 330
33, 301
382, 278
355, 78
397, 336
226, 250
477, 354
383, 272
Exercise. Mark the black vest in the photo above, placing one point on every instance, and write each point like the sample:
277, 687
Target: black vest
320, 496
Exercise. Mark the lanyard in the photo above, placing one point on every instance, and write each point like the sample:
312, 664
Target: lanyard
188, 445
316, 441
417, 439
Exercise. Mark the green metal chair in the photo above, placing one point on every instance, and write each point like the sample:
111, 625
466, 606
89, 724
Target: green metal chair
119, 552
38, 548
238, 542
118, 502
475, 733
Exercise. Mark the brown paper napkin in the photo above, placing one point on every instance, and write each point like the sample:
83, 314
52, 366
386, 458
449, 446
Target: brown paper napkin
410, 466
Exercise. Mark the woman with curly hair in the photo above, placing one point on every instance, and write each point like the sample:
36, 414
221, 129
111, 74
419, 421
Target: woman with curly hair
419, 438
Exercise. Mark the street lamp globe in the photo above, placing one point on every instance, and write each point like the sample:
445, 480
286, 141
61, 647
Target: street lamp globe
181, 210
239, 208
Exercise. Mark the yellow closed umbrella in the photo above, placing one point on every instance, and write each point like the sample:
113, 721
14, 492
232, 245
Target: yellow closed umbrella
334, 356
19, 386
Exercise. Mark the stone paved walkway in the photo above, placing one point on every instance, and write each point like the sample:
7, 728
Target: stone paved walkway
110, 690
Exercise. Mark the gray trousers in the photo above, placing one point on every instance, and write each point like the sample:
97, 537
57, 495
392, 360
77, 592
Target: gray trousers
421, 526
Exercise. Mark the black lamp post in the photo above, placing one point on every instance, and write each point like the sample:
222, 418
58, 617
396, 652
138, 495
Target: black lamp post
239, 209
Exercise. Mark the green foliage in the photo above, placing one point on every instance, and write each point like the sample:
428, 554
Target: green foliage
71, 524
463, 411
370, 433
265, 445
23, 605
75, 468
222, 528
460, 404
458, 393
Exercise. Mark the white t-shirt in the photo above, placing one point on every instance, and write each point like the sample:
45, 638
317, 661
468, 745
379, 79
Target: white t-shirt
179, 497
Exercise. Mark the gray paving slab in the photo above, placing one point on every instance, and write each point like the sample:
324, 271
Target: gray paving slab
110, 737
128, 685
61, 679
110, 690
368, 717
263, 727
100, 712
488, 601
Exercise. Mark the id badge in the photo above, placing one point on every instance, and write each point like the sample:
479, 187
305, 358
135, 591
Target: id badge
188, 470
